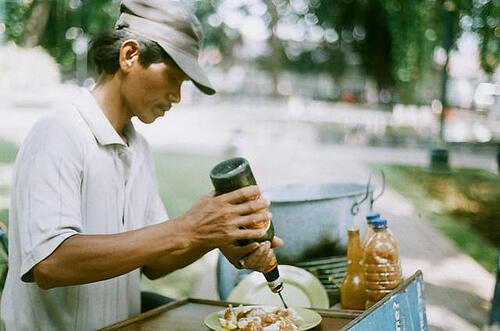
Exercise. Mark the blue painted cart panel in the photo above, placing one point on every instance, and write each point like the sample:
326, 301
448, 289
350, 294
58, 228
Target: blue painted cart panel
402, 310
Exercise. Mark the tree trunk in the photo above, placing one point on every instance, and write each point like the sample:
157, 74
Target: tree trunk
36, 23
274, 61
448, 38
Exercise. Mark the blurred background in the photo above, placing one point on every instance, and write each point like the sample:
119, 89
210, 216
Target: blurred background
310, 90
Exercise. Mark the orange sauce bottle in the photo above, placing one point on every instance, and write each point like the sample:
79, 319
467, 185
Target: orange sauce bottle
352, 290
381, 264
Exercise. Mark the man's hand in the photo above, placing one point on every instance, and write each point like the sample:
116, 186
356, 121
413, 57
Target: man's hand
215, 221
253, 256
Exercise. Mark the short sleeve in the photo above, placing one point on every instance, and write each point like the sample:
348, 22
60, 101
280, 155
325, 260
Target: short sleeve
157, 212
47, 186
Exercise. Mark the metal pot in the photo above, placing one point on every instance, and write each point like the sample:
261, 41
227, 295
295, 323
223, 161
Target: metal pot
313, 218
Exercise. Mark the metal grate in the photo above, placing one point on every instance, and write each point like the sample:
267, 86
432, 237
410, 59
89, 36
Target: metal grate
330, 272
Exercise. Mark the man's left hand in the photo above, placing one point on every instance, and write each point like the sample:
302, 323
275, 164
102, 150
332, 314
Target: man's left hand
253, 256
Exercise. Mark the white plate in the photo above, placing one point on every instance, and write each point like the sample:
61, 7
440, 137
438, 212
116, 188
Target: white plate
311, 318
300, 289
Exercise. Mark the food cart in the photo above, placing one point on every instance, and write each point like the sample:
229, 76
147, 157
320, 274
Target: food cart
313, 220
403, 309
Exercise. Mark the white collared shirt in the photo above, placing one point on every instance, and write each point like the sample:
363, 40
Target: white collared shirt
75, 175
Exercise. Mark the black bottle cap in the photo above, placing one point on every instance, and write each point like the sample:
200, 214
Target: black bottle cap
231, 175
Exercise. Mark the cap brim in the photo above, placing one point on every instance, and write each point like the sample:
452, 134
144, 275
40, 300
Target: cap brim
189, 64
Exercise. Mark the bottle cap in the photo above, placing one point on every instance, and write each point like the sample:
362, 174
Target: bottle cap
379, 224
371, 217
231, 175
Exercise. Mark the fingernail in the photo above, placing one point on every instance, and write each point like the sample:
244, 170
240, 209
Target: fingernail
269, 215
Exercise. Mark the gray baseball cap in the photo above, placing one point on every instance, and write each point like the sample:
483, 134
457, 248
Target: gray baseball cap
174, 27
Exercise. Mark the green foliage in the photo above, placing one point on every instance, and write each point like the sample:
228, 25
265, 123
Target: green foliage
464, 205
487, 19
3, 269
182, 179
8, 151
392, 40
217, 34
84, 18
4, 216
14, 20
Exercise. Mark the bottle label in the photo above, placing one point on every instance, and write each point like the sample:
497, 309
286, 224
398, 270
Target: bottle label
271, 266
262, 225
278, 281
266, 224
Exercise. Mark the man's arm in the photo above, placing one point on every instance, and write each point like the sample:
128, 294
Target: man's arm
257, 257
255, 254
211, 222
82, 259
171, 262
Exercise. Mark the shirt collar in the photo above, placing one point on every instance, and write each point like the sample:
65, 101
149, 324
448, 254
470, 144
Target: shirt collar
98, 122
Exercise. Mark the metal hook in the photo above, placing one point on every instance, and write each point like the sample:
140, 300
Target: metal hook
355, 206
382, 174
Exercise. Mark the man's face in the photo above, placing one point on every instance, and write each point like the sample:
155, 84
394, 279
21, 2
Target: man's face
148, 92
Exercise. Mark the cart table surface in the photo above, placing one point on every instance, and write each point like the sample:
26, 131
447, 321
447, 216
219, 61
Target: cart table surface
188, 314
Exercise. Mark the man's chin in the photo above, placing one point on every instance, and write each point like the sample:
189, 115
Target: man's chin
148, 120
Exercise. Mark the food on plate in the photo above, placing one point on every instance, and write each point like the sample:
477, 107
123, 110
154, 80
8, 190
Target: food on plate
257, 318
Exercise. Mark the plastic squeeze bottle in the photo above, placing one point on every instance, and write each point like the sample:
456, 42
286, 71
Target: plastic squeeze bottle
382, 269
369, 228
352, 290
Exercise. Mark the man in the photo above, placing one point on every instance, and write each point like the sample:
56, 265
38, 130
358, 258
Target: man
85, 216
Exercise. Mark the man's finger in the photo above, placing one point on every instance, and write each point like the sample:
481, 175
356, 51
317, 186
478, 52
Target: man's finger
250, 207
262, 262
245, 250
248, 233
277, 242
240, 195
257, 256
253, 221
270, 258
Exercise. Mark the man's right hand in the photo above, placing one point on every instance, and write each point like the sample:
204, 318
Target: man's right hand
218, 220
212, 221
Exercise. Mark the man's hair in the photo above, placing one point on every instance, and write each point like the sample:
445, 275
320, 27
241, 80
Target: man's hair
104, 50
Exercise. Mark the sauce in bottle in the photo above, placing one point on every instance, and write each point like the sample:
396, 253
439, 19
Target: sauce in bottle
231, 175
369, 228
381, 264
352, 290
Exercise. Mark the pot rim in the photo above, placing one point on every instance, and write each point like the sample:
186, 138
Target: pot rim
305, 192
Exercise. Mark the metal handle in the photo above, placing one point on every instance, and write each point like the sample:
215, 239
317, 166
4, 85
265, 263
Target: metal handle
334, 281
355, 206
382, 190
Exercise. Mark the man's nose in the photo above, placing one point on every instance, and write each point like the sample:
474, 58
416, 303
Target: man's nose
175, 97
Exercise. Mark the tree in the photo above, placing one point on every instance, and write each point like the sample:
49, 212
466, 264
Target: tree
391, 40
56, 24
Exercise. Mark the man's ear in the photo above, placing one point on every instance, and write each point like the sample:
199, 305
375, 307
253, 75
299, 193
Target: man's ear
129, 54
